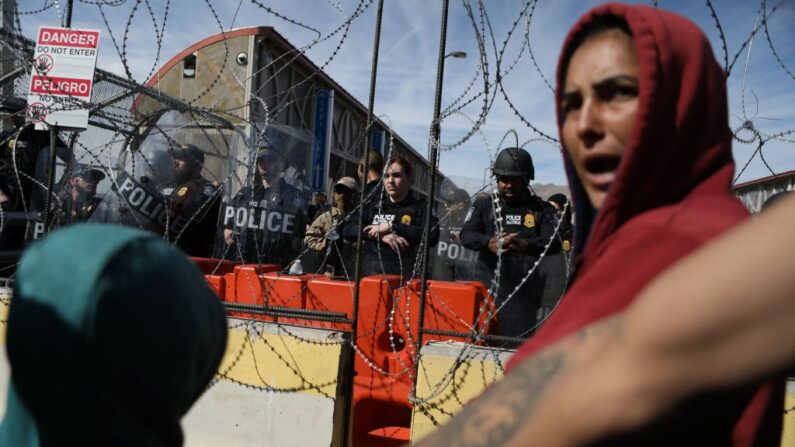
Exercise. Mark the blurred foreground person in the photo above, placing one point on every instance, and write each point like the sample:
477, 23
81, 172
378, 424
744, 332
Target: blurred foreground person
643, 117
643, 369
112, 336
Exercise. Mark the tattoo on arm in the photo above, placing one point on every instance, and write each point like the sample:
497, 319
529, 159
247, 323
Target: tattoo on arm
501, 410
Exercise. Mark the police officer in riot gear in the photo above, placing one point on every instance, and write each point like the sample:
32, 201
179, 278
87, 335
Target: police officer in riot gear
526, 224
453, 262
81, 189
265, 221
393, 227
193, 198
24, 152
557, 265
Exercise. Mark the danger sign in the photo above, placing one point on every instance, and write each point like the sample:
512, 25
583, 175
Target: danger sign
62, 77
47, 85
68, 37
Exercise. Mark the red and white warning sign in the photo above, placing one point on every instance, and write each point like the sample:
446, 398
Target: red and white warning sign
62, 77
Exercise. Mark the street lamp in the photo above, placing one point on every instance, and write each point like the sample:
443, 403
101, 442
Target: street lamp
456, 54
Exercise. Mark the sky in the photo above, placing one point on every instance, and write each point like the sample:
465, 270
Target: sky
760, 89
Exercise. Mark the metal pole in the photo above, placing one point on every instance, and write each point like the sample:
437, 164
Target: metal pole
68, 15
53, 141
434, 149
373, 75
357, 271
50, 178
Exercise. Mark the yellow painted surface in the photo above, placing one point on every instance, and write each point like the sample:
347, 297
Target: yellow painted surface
788, 437
263, 355
447, 392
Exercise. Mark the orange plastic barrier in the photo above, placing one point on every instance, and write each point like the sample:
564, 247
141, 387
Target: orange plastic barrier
210, 266
287, 291
383, 366
385, 347
248, 287
214, 271
331, 295
460, 306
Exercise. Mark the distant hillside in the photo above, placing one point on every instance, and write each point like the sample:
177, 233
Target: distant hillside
473, 186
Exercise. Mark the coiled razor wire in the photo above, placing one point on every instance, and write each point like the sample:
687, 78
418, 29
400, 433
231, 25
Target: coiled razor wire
495, 63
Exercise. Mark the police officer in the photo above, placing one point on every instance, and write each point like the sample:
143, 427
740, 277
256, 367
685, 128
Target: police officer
194, 199
370, 176
556, 265
265, 222
526, 224
394, 227
81, 190
453, 262
24, 152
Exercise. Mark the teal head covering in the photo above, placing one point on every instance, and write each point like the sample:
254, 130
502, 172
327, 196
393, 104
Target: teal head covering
112, 336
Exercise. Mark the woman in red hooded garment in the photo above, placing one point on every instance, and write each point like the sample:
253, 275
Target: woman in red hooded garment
643, 117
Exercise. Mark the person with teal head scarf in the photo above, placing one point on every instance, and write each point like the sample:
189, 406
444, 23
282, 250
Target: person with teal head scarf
112, 336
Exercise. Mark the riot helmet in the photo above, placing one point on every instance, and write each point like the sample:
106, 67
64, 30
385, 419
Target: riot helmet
514, 161
188, 152
88, 173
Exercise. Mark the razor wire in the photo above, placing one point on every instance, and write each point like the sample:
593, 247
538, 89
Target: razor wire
498, 61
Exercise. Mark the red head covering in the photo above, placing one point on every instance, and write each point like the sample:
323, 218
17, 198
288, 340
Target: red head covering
670, 195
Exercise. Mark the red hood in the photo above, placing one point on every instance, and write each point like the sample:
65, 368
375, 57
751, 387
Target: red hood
681, 143
670, 195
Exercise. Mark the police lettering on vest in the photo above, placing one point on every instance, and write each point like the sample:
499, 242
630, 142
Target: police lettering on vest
256, 218
518, 221
387, 218
149, 205
454, 251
